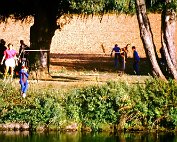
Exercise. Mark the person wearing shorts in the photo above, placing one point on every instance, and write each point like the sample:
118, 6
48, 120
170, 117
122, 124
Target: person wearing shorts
10, 60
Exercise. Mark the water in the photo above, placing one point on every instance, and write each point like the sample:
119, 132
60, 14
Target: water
86, 137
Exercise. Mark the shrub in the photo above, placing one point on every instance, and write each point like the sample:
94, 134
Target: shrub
152, 105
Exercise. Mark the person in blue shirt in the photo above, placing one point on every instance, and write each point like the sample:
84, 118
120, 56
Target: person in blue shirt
136, 60
116, 50
23, 73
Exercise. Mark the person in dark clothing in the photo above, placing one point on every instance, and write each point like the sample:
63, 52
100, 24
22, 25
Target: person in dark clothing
117, 56
163, 60
2, 49
136, 60
23, 54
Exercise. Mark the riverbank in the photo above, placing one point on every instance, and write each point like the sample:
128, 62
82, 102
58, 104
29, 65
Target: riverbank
105, 105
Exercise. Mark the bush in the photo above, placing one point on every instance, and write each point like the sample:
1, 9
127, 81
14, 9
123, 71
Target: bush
152, 105
42, 108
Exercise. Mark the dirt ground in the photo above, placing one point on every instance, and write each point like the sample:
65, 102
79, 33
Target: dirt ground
70, 71
92, 62
78, 70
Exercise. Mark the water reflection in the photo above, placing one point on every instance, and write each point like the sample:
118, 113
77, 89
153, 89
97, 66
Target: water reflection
86, 137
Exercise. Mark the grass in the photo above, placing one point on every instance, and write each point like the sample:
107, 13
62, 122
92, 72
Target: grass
76, 79
70, 79
93, 99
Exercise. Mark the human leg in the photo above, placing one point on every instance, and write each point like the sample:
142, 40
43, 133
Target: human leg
22, 86
2, 68
9, 63
25, 87
11, 73
6, 72
123, 65
116, 63
136, 68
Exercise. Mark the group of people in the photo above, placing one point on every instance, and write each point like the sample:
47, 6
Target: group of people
9, 59
120, 58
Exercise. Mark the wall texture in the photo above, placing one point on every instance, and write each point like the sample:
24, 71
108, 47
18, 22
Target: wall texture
87, 35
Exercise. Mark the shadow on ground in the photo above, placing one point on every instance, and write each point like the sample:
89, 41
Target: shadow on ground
100, 68
93, 62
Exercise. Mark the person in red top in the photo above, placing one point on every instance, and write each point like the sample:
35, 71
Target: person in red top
10, 60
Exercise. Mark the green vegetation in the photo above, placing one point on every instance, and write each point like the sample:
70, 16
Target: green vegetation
120, 6
102, 6
112, 106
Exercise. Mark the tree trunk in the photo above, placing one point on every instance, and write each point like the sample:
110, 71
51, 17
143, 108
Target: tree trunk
147, 37
167, 35
41, 34
170, 66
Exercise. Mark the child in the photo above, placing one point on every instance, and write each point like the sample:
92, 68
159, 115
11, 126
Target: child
23, 80
122, 61
116, 50
136, 60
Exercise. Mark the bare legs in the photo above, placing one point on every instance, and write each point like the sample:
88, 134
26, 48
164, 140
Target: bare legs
11, 73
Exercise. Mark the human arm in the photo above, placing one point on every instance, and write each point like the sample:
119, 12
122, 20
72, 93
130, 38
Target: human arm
23, 73
16, 60
20, 50
23, 76
3, 59
136, 57
112, 52
26, 74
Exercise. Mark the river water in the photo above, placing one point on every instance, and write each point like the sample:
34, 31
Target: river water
86, 137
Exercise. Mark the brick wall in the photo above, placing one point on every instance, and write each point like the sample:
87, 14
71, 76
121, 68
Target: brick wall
87, 35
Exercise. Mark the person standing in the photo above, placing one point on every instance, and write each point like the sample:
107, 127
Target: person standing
2, 49
163, 59
126, 51
23, 54
123, 60
136, 60
10, 60
124, 56
23, 73
116, 51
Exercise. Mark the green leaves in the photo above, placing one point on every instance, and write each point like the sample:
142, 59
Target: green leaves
102, 6
118, 6
151, 105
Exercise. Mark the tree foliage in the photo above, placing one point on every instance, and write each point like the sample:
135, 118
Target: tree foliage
103, 6
20, 9
121, 6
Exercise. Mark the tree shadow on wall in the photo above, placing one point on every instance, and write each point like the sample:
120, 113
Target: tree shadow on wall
94, 62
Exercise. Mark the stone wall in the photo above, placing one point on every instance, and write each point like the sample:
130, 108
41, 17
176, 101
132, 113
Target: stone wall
87, 35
